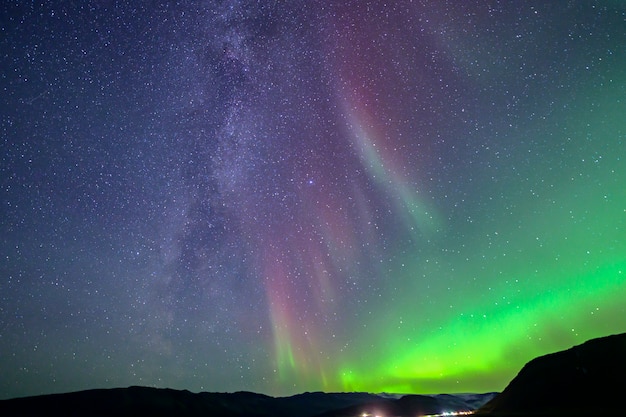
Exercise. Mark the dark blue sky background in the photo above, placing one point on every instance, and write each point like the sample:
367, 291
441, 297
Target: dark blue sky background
413, 196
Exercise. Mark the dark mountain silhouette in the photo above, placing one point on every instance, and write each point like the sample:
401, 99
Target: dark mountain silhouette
143, 401
586, 380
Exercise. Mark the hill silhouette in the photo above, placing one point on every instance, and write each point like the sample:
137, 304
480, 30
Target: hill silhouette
585, 380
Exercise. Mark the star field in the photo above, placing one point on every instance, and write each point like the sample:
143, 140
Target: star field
414, 196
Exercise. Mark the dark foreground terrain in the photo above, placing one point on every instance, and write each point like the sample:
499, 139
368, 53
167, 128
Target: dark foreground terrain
587, 380
143, 401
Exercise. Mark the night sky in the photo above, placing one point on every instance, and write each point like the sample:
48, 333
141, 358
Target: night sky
411, 196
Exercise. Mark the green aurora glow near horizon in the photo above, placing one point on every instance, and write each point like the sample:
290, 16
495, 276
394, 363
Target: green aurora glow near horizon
557, 265
542, 276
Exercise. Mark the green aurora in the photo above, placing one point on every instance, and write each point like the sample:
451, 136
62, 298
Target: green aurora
555, 260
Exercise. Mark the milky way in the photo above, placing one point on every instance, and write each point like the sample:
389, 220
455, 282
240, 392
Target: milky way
279, 197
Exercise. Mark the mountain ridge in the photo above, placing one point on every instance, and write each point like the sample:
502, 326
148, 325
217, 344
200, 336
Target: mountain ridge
137, 400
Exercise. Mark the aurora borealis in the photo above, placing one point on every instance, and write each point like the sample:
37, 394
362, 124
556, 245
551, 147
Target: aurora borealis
279, 197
